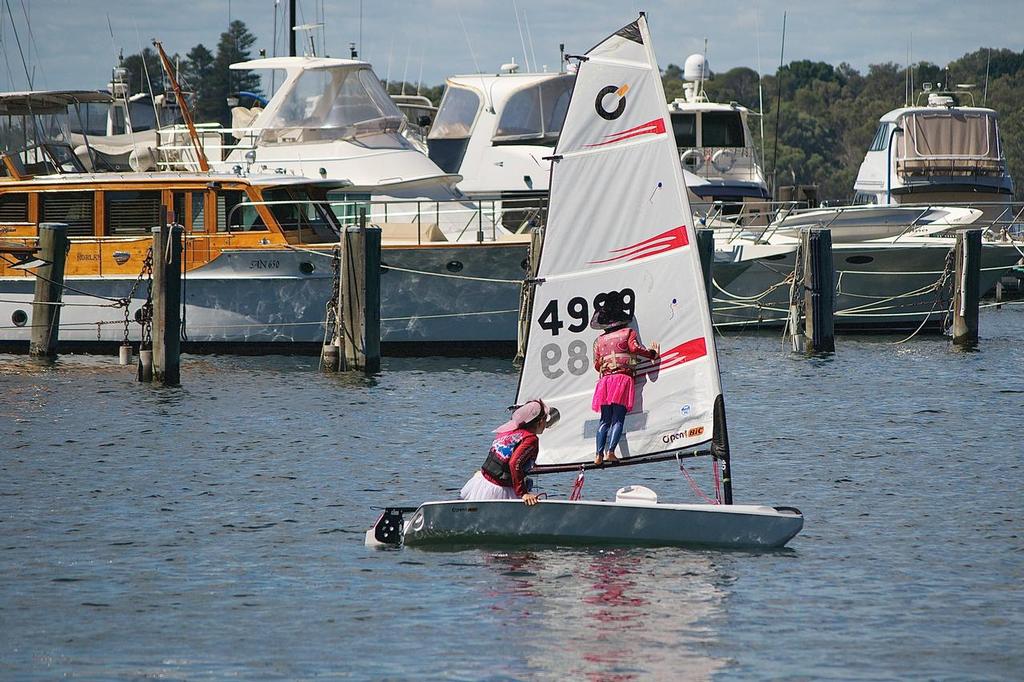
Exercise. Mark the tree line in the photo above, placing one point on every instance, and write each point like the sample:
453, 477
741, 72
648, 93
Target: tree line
827, 114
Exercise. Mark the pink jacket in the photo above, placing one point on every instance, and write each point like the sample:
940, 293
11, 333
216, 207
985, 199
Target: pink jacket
615, 352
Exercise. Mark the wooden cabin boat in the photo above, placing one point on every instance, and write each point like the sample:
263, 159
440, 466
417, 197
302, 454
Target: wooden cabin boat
258, 255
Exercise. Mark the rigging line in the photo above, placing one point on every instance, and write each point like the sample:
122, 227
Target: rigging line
476, 64
760, 88
529, 38
32, 44
61, 304
64, 286
526, 55
446, 315
17, 39
441, 274
149, 83
778, 106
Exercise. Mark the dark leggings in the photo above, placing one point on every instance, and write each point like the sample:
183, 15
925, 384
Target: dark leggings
609, 431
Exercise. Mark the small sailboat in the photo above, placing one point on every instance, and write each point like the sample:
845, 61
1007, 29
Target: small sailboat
619, 223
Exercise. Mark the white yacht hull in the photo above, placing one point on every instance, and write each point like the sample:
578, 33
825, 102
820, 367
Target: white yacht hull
266, 297
593, 522
878, 286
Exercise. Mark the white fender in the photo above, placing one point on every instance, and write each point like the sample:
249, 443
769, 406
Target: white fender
723, 160
692, 159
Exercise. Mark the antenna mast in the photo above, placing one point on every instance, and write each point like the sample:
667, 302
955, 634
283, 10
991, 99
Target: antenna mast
185, 113
778, 106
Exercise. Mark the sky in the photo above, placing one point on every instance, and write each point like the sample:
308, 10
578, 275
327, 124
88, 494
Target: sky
70, 44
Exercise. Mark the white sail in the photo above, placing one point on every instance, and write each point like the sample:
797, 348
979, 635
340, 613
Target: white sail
620, 221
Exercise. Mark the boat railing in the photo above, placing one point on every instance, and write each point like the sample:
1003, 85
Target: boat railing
761, 220
176, 152
713, 163
411, 221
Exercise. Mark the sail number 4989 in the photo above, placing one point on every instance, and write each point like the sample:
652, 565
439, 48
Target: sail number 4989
578, 309
576, 357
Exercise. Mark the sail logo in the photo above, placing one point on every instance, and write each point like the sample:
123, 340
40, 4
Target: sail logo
688, 433
671, 357
666, 241
620, 98
655, 127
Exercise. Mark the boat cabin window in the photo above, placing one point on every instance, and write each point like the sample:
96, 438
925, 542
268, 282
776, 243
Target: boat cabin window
684, 127
336, 102
133, 212
456, 115
90, 118
71, 208
14, 208
236, 214
881, 139
722, 129
864, 198
199, 211
303, 219
948, 140
449, 135
536, 112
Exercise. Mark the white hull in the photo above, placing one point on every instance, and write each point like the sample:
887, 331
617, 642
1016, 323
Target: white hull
592, 522
265, 297
878, 286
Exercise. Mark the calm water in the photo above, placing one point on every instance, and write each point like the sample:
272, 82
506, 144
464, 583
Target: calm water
216, 530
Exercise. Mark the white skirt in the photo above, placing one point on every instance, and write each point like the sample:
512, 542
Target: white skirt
479, 488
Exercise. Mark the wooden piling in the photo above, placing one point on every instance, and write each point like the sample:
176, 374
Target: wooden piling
53, 248
167, 302
819, 290
706, 248
966, 285
796, 301
359, 298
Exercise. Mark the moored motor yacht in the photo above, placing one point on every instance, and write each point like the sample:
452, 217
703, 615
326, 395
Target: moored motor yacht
258, 260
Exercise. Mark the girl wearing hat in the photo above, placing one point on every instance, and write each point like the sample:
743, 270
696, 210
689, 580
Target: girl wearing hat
616, 354
503, 475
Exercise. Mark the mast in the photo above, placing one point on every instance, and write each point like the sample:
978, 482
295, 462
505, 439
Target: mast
185, 113
291, 28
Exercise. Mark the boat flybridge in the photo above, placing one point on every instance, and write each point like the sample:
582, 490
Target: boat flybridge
715, 146
331, 119
495, 130
939, 152
631, 234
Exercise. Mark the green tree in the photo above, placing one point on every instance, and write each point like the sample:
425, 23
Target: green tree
196, 71
139, 66
234, 46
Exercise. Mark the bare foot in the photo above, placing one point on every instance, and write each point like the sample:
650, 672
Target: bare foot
611, 458
598, 459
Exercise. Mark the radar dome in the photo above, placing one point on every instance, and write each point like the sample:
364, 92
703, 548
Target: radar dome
696, 68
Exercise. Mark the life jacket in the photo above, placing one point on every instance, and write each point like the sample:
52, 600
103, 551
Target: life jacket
611, 352
497, 467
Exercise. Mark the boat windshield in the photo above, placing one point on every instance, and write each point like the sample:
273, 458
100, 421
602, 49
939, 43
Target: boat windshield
536, 112
335, 102
456, 115
721, 129
302, 214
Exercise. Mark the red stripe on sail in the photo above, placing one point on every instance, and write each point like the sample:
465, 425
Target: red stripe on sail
666, 241
655, 127
677, 355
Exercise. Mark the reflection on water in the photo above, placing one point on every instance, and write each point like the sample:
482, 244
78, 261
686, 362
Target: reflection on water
613, 614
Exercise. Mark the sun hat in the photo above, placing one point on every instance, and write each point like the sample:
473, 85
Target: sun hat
526, 413
611, 314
